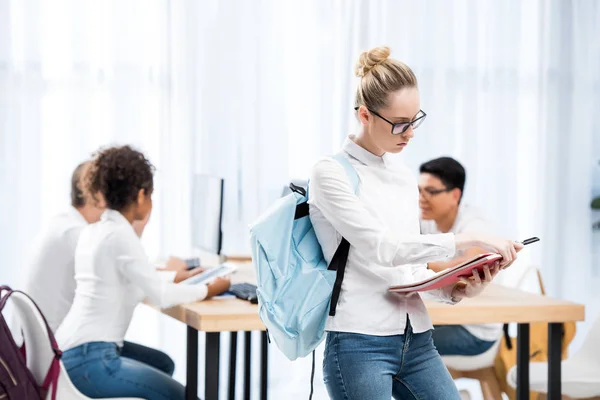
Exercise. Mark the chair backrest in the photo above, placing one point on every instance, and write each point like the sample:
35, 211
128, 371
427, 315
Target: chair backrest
590, 348
66, 389
521, 276
37, 343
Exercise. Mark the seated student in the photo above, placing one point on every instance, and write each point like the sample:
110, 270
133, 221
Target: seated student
51, 268
113, 276
51, 262
441, 186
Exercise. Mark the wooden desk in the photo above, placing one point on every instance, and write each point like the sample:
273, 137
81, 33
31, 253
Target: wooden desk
501, 304
505, 305
219, 315
213, 317
497, 304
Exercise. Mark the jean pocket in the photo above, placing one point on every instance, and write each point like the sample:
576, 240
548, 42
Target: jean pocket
72, 362
111, 361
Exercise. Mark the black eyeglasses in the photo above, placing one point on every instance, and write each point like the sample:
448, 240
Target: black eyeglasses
401, 127
430, 192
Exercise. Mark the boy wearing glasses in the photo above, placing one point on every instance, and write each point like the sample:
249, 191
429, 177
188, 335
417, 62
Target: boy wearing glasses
441, 185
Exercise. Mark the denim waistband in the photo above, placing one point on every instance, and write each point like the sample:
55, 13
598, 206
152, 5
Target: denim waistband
91, 347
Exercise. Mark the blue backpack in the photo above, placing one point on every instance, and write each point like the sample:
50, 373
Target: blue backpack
295, 286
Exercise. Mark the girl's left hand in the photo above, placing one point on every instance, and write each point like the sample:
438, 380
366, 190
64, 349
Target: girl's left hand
184, 274
474, 285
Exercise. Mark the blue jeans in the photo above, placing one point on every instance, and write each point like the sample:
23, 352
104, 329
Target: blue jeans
98, 370
456, 340
147, 355
366, 367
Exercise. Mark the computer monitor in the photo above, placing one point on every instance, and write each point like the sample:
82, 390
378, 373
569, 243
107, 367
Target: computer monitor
207, 213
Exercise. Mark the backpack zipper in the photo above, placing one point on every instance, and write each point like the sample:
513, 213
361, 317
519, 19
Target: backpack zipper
12, 377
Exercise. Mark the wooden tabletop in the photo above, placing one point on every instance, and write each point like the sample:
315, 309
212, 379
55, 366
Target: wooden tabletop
502, 304
218, 315
496, 304
222, 314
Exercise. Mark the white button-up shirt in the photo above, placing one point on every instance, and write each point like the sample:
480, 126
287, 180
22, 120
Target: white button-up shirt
382, 225
113, 276
51, 265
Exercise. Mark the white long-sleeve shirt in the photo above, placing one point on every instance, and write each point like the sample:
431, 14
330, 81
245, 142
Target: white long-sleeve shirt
382, 225
51, 265
113, 276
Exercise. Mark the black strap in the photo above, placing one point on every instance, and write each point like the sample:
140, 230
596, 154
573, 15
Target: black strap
312, 377
298, 189
301, 210
507, 340
4, 298
338, 264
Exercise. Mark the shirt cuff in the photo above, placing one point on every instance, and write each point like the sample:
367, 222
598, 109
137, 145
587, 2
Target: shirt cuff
446, 295
167, 276
202, 292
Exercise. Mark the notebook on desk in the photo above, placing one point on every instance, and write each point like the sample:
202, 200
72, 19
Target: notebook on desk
450, 275
210, 274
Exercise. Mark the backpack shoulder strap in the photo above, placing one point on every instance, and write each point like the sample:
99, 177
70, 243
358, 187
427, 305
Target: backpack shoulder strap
51, 338
54, 370
4, 298
349, 169
340, 257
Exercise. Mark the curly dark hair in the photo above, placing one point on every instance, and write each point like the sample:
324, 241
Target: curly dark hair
118, 174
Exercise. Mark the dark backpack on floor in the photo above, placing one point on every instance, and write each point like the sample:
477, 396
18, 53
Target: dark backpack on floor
16, 381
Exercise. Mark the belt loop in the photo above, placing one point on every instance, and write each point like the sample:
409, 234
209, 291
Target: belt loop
84, 349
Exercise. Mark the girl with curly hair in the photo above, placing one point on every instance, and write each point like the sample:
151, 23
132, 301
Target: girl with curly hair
113, 276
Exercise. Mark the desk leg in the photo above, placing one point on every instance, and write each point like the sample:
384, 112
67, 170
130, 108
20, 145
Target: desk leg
191, 386
232, 365
247, 364
264, 366
554, 360
211, 372
522, 361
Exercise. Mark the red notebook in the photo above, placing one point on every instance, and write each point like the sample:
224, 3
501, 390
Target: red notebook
449, 276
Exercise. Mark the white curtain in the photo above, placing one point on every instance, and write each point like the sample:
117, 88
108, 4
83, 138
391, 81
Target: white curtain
75, 76
256, 92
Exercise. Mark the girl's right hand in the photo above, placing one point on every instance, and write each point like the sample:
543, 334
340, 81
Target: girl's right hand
507, 248
218, 286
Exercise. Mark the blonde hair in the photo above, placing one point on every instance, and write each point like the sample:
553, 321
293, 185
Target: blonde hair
379, 76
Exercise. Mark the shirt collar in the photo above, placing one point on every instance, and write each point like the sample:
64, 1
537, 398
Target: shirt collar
114, 216
73, 212
363, 155
459, 212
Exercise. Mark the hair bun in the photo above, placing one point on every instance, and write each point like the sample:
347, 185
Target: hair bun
370, 59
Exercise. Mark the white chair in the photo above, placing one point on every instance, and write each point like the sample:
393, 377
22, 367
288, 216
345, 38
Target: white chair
472, 363
479, 367
39, 350
580, 372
